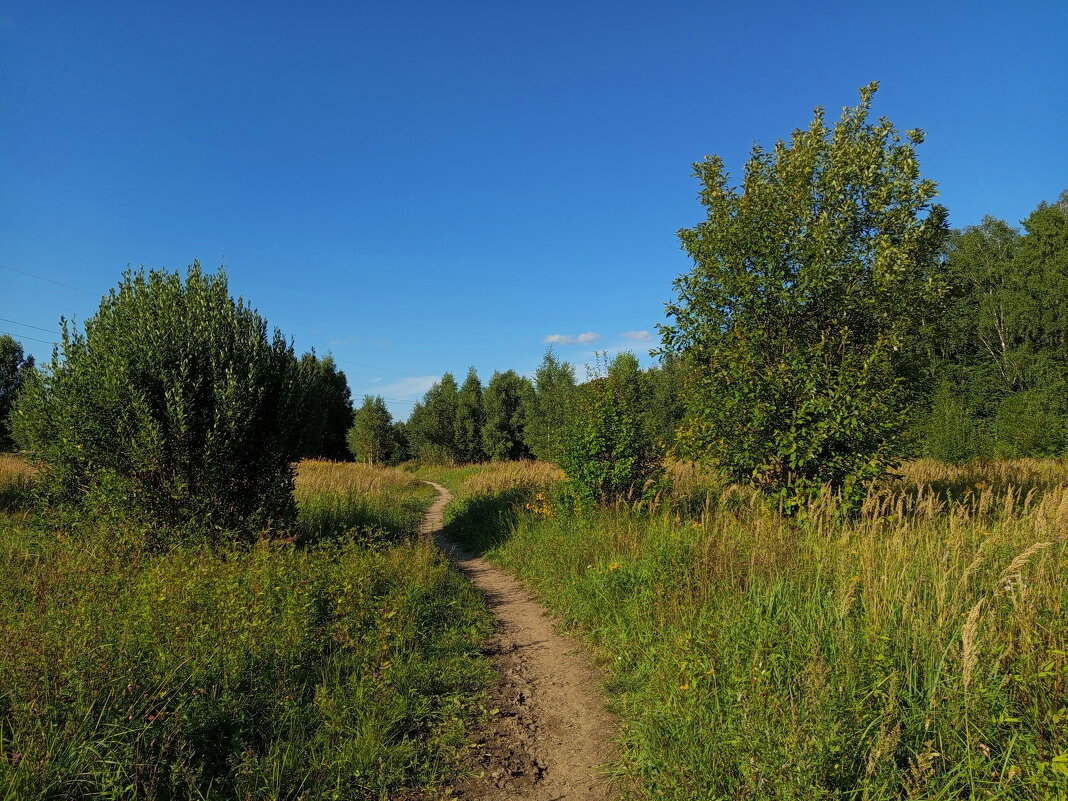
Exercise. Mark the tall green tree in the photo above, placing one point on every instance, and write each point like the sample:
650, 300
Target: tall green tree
547, 411
432, 424
803, 318
174, 406
371, 438
503, 430
14, 367
610, 450
469, 420
326, 408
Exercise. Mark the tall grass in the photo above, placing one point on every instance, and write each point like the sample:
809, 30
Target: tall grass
919, 650
330, 670
16, 482
374, 504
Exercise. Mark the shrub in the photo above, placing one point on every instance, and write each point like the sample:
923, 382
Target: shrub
174, 407
609, 450
1029, 423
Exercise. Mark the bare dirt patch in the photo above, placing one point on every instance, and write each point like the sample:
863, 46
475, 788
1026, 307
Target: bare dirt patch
551, 735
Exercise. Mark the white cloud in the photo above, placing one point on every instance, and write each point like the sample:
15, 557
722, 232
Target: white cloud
568, 339
409, 388
376, 380
637, 336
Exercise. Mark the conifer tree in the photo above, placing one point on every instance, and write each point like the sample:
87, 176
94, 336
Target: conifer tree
547, 411
503, 401
469, 420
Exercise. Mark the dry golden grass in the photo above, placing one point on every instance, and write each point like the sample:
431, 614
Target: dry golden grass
14, 468
982, 473
500, 476
349, 477
16, 480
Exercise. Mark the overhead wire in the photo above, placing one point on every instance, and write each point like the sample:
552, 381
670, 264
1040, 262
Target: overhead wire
32, 339
49, 280
27, 325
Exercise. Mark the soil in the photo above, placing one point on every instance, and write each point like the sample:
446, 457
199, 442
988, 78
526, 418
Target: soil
551, 736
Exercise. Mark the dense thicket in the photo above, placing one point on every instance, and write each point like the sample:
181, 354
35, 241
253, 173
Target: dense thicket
14, 366
326, 408
1000, 356
610, 450
504, 428
547, 410
470, 419
174, 406
432, 424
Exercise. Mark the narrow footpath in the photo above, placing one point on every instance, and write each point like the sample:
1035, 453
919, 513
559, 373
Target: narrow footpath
551, 735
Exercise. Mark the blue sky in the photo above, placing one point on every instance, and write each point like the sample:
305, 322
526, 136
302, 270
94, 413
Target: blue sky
419, 187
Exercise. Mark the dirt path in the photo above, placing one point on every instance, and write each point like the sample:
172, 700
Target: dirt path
552, 734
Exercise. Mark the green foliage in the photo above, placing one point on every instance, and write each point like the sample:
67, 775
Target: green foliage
173, 407
326, 408
402, 447
609, 452
503, 402
14, 367
547, 411
1030, 423
1002, 335
470, 419
951, 434
664, 388
371, 438
432, 424
802, 320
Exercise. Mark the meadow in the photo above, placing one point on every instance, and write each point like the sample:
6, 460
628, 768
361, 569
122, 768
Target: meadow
918, 649
340, 660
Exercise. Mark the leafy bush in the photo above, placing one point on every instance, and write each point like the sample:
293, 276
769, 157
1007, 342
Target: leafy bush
173, 407
609, 451
950, 433
1029, 423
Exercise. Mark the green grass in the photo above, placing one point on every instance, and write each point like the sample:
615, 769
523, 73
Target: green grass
345, 668
918, 651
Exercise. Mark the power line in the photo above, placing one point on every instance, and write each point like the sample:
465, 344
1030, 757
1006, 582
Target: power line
32, 339
27, 325
49, 280
368, 366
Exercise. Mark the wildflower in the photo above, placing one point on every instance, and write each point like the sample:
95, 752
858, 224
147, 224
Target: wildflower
684, 686
615, 566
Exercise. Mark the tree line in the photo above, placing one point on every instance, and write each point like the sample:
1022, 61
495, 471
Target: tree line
831, 325
999, 361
